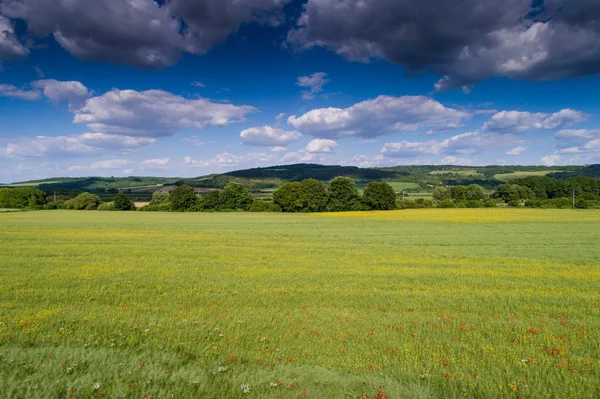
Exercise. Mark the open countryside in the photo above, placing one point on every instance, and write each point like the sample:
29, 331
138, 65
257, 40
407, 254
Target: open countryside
416, 303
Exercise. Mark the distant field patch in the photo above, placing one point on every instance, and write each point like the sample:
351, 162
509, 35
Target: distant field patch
5, 210
518, 175
466, 172
400, 185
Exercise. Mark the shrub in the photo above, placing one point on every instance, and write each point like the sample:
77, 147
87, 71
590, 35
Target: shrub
211, 200
264, 206
514, 203
22, 198
84, 201
288, 197
447, 203
159, 197
489, 204
474, 204
313, 196
581, 204
235, 197
379, 196
107, 206
183, 199
122, 203
441, 193
408, 204
343, 195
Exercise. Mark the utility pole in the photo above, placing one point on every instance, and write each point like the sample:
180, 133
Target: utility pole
402, 195
54, 195
573, 198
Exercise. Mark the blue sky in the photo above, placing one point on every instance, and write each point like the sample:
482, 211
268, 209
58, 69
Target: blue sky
187, 88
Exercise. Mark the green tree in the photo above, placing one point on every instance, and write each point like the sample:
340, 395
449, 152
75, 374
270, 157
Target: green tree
513, 193
183, 199
211, 200
343, 195
474, 192
313, 196
22, 198
441, 193
288, 197
84, 201
264, 206
380, 196
122, 203
159, 197
235, 197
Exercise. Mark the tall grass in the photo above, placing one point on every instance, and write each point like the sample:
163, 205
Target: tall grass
409, 304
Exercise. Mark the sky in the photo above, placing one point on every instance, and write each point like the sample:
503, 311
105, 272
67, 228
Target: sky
192, 87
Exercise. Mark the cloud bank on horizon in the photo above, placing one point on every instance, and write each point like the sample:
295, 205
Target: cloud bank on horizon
188, 87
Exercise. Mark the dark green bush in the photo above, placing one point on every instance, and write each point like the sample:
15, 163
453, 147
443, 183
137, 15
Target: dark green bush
264, 206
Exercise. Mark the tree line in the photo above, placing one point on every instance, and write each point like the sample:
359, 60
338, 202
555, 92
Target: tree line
339, 195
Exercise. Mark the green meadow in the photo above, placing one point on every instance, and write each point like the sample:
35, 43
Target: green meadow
434, 303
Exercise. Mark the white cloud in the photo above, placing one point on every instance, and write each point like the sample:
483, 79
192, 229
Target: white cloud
268, 136
575, 147
11, 91
154, 113
227, 159
521, 122
450, 160
198, 84
108, 164
127, 172
516, 151
155, 162
314, 83
462, 144
73, 92
278, 149
10, 47
75, 145
383, 115
319, 146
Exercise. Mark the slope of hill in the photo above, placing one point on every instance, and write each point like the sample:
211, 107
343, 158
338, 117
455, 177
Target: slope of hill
412, 179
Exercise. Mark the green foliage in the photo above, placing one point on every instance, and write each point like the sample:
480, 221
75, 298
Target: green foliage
343, 195
264, 206
513, 193
447, 203
235, 197
211, 201
379, 196
159, 197
84, 201
22, 198
122, 203
288, 197
313, 196
183, 199
441, 193
108, 206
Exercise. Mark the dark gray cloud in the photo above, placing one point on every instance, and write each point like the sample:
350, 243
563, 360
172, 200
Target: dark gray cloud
10, 47
465, 41
136, 32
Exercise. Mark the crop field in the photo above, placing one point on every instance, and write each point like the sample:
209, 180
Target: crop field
522, 174
444, 303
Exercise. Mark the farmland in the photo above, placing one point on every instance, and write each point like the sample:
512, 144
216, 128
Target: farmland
447, 303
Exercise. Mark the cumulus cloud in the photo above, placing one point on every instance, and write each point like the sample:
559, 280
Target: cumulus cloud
516, 151
319, 146
71, 146
314, 83
198, 84
154, 113
157, 162
450, 160
381, 116
462, 144
108, 164
268, 136
575, 147
10, 47
141, 33
73, 92
227, 159
521, 122
278, 149
21, 94
466, 41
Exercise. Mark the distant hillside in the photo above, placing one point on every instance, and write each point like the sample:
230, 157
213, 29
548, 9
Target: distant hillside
262, 181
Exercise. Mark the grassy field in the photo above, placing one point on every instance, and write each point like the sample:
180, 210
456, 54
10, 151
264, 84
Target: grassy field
499, 303
518, 175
